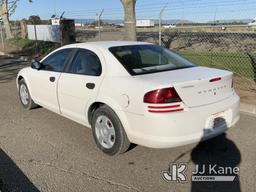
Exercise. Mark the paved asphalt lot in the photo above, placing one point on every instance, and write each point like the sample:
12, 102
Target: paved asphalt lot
42, 151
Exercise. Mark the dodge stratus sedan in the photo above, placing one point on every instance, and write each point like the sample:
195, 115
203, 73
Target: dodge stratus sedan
132, 92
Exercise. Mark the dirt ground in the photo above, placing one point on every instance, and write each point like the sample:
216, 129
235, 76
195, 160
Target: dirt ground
248, 97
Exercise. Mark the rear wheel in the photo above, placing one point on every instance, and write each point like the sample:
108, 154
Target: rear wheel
108, 132
24, 96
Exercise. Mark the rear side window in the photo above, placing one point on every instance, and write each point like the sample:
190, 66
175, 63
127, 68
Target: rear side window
85, 63
56, 61
150, 57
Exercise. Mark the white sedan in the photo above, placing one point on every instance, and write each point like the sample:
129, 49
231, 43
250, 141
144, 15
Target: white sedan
132, 92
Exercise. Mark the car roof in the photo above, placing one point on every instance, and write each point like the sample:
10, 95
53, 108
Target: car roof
105, 44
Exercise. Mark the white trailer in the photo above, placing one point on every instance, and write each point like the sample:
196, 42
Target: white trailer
79, 25
145, 23
169, 26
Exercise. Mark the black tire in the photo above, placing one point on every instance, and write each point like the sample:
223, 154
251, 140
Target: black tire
30, 103
121, 143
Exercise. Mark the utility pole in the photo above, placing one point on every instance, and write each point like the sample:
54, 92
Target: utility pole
160, 23
99, 25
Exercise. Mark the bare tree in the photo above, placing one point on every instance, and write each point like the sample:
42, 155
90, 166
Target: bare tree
5, 18
7, 9
130, 19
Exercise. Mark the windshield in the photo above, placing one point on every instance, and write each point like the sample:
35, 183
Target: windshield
143, 59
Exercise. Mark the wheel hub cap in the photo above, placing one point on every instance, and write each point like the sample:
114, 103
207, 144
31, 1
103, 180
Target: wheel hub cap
105, 131
24, 96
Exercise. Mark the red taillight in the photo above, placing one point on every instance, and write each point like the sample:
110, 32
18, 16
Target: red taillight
215, 79
166, 111
166, 95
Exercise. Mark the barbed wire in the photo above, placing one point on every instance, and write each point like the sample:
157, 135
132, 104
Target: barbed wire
151, 10
171, 5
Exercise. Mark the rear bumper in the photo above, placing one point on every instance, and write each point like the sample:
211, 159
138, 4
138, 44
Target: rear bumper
181, 128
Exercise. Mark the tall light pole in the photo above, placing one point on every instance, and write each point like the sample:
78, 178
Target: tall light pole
215, 15
160, 23
55, 7
99, 25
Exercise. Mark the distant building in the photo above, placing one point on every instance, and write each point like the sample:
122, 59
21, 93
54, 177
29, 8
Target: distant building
79, 24
253, 23
145, 23
55, 21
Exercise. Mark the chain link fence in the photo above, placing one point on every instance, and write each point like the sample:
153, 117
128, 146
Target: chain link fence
226, 47
234, 51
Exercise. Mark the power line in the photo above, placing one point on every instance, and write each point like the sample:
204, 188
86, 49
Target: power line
145, 11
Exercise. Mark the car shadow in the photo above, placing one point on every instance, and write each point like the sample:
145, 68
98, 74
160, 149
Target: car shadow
219, 151
12, 178
9, 68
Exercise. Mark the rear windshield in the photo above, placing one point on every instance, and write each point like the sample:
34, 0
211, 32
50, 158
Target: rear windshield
144, 59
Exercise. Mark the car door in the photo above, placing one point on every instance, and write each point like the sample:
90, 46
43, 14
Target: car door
79, 84
44, 81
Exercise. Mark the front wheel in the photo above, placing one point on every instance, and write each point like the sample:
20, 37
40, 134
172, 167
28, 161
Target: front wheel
108, 132
24, 96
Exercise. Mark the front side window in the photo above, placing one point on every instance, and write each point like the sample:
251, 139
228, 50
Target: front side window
143, 59
56, 61
85, 63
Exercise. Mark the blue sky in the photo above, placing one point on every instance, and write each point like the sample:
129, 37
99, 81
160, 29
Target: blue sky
195, 10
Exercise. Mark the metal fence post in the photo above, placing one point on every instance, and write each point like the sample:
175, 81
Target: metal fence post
36, 48
253, 63
99, 24
2, 37
160, 23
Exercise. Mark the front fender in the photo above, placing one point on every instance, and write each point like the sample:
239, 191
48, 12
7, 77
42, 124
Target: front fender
24, 74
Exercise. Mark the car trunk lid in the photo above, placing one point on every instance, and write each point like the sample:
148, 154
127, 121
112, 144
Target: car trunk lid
205, 90
196, 86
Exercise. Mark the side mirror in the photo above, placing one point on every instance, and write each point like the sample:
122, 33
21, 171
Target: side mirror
36, 65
